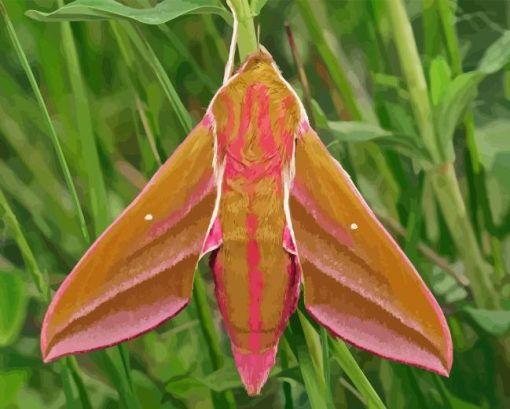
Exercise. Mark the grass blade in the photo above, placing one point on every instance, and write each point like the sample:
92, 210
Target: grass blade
89, 155
145, 50
347, 362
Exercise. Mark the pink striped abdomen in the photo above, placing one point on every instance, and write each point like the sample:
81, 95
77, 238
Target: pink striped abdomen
256, 281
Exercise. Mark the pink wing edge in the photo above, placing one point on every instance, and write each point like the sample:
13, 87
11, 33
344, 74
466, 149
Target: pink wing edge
444, 371
212, 240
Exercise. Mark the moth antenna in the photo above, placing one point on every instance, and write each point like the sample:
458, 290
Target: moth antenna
232, 51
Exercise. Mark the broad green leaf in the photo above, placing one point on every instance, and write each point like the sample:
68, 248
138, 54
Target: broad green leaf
496, 56
494, 322
166, 10
440, 77
347, 131
256, 6
453, 104
407, 144
13, 306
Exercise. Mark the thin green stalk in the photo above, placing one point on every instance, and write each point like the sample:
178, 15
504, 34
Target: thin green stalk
325, 357
413, 72
37, 275
65, 375
338, 75
70, 362
285, 351
448, 25
246, 35
52, 133
221, 48
341, 353
89, 154
431, 43
506, 82
444, 181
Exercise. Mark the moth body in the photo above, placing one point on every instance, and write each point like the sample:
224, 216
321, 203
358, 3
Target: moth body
256, 279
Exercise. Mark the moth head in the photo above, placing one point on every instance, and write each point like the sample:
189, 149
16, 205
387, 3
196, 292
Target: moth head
259, 61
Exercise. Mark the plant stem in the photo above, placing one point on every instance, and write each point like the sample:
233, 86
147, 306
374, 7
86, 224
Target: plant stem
448, 24
413, 72
307, 96
246, 36
26, 253
444, 181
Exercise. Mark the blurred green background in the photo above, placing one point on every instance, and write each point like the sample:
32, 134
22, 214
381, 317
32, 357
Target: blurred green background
412, 97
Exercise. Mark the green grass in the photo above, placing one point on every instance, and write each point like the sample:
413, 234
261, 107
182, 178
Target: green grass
89, 109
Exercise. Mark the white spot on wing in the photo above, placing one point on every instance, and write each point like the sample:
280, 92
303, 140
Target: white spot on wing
354, 226
148, 217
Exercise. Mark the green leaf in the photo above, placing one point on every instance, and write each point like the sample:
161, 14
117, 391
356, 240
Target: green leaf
453, 104
182, 388
166, 10
496, 56
223, 379
440, 77
494, 322
13, 306
256, 6
10, 384
347, 131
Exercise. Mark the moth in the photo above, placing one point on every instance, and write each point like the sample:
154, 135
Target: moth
253, 186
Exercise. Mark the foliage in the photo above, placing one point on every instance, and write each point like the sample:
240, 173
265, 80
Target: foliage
90, 108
